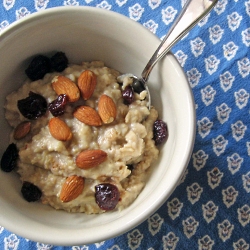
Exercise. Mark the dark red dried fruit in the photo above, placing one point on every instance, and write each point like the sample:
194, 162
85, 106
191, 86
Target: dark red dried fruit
57, 107
107, 196
33, 106
160, 131
59, 61
9, 158
138, 86
38, 67
31, 192
128, 95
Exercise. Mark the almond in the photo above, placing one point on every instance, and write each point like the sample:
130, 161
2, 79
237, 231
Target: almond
59, 129
72, 188
63, 85
106, 109
22, 130
90, 158
87, 115
86, 83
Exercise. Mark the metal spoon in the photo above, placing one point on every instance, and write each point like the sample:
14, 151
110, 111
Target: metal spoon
193, 11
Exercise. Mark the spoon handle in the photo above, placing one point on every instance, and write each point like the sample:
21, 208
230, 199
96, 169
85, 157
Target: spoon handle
192, 12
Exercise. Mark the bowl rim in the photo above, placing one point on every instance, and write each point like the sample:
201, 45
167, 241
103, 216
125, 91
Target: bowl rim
107, 234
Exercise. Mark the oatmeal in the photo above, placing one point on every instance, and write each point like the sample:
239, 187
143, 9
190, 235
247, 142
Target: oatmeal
90, 141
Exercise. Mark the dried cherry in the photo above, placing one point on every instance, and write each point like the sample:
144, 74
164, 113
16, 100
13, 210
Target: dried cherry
128, 95
33, 106
160, 131
107, 196
138, 86
38, 67
59, 61
9, 158
57, 107
30, 192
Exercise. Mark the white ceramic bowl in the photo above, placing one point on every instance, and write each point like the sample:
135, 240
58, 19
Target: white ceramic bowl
85, 34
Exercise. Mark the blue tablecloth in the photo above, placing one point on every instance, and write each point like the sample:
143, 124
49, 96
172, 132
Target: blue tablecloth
210, 208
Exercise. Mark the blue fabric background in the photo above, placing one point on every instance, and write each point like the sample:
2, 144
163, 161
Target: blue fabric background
210, 208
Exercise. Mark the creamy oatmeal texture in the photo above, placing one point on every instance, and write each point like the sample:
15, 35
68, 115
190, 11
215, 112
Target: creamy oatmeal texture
47, 162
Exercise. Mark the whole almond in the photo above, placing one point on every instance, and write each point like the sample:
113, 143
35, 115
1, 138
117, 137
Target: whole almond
59, 129
106, 109
90, 158
87, 115
72, 188
22, 130
63, 85
87, 83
